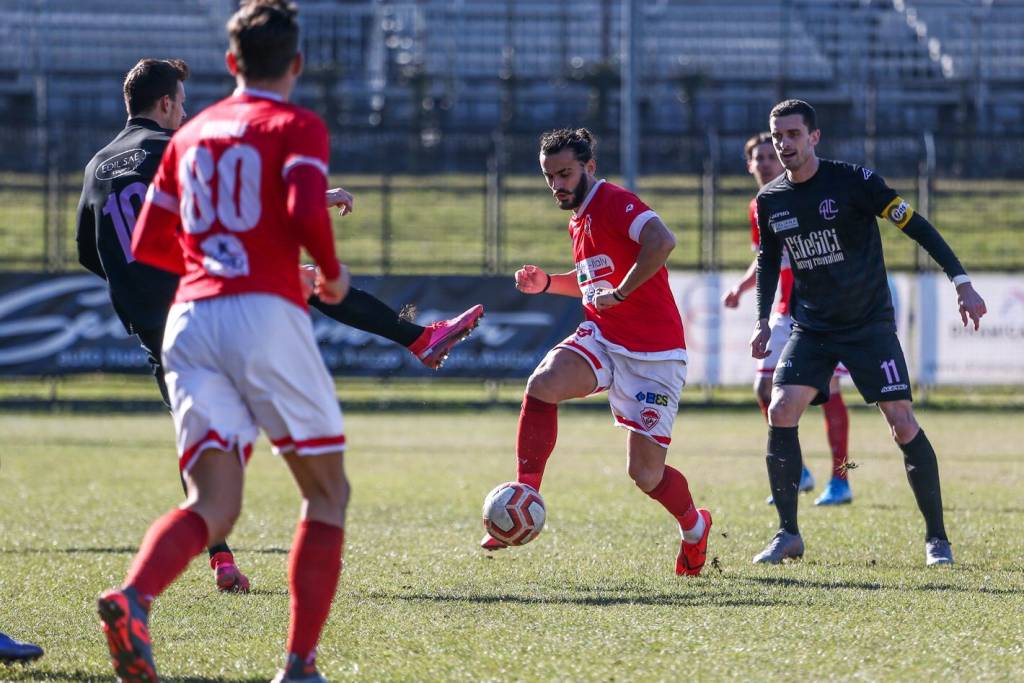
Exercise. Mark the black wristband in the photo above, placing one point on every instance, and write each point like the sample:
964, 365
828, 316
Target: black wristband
546, 285
618, 295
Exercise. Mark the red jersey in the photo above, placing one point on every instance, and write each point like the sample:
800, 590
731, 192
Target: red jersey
785, 272
605, 233
223, 209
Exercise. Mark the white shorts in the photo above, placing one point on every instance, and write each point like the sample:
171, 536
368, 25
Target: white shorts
781, 326
235, 364
643, 389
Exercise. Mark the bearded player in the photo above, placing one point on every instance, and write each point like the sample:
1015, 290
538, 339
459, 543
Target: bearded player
630, 345
763, 164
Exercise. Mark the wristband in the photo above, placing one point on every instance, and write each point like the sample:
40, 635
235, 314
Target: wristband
618, 296
546, 285
960, 280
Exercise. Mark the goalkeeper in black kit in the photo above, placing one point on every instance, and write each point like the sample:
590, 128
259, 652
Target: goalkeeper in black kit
824, 213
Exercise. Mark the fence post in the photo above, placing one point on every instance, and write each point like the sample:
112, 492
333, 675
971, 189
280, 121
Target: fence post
925, 181
708, 243
386, 237
493, 200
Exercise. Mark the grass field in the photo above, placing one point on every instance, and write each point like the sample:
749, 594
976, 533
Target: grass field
594, 598
395, 220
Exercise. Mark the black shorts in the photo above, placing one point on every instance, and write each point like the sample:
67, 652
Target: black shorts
872, 354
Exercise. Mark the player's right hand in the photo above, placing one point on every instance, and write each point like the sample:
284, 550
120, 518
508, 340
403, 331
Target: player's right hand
531, 280
345, 202
307, 280
759, 340
333, 291
731, 298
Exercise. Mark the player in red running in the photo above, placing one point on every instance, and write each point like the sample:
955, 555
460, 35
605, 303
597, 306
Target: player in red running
630, 345
240, 189
764, 165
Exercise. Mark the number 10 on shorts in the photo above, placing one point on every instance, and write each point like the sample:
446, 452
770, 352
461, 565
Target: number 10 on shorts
892, 375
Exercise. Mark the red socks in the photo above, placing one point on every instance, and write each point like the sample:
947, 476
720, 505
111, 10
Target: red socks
764, 408
535, 439
167, 548
837, 426
674, 494
313, 569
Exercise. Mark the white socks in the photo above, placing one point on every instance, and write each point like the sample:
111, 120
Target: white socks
694, 535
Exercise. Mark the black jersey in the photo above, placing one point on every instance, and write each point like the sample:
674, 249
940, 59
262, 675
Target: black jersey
114, 188
828, 227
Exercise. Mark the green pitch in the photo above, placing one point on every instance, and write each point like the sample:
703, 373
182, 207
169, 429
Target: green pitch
594, 598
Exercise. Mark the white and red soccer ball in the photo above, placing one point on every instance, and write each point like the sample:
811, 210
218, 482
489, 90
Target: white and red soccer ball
514, 513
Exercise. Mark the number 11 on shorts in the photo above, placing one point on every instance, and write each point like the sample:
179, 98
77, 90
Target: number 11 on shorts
892, 375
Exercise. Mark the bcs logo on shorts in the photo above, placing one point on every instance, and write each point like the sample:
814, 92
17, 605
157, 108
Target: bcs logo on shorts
582, 332
650, 418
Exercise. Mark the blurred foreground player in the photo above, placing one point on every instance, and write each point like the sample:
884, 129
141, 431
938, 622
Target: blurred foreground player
630, 345
823, 213
239, 191
763, 164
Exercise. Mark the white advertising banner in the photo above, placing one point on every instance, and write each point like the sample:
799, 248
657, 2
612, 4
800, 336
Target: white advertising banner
938, 348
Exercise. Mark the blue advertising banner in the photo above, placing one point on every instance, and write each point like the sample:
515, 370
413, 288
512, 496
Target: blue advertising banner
56, 324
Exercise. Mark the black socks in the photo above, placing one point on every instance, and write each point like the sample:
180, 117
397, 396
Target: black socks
923, 475
784, 467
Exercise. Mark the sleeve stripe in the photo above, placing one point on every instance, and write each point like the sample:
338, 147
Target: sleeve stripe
299, 159
165, 201
638, 224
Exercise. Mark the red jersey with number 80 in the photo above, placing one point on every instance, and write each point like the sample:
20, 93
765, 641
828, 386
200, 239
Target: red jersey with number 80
605, 233
217, 211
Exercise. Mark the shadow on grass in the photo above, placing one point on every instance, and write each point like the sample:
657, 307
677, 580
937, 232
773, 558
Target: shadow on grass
788, 582
656, 599
27, 673
121, 550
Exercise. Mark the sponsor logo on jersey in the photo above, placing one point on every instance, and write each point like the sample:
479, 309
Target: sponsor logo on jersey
594, 268
828, 209
583, 332
817, 248
650, 418
629, 207
778, 221
866, 172
121, 164
652, 398
225, 256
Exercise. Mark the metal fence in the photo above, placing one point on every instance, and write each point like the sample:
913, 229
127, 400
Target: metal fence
468, 205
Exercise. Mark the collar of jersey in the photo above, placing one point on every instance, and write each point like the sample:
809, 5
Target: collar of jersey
144, 122
256, 92
590, 195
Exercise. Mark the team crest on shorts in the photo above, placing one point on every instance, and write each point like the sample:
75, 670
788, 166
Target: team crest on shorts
649, 417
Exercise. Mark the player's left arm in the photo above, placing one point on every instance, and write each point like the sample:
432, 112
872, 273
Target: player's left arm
919, 229
85, 234
656, 243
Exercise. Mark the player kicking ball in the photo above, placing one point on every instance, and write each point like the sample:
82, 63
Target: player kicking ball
630, 345
764, 165
823, 213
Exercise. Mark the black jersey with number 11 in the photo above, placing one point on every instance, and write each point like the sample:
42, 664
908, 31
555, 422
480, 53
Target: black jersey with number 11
828, 226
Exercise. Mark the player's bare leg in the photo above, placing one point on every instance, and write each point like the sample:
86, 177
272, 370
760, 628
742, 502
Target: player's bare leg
784, 464
214, 485
837, 430
763, 391
645, 463
560, 376
923, 475
314, 564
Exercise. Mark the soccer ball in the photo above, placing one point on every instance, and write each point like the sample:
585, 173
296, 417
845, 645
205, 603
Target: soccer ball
514, 513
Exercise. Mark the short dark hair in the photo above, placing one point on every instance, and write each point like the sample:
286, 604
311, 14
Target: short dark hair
580, 140
787, 107
263, 35
151, 79
754, 142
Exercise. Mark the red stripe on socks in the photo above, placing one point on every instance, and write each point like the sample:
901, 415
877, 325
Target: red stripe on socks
167, 548
837, 427
314, 566
674, 494
535, 439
